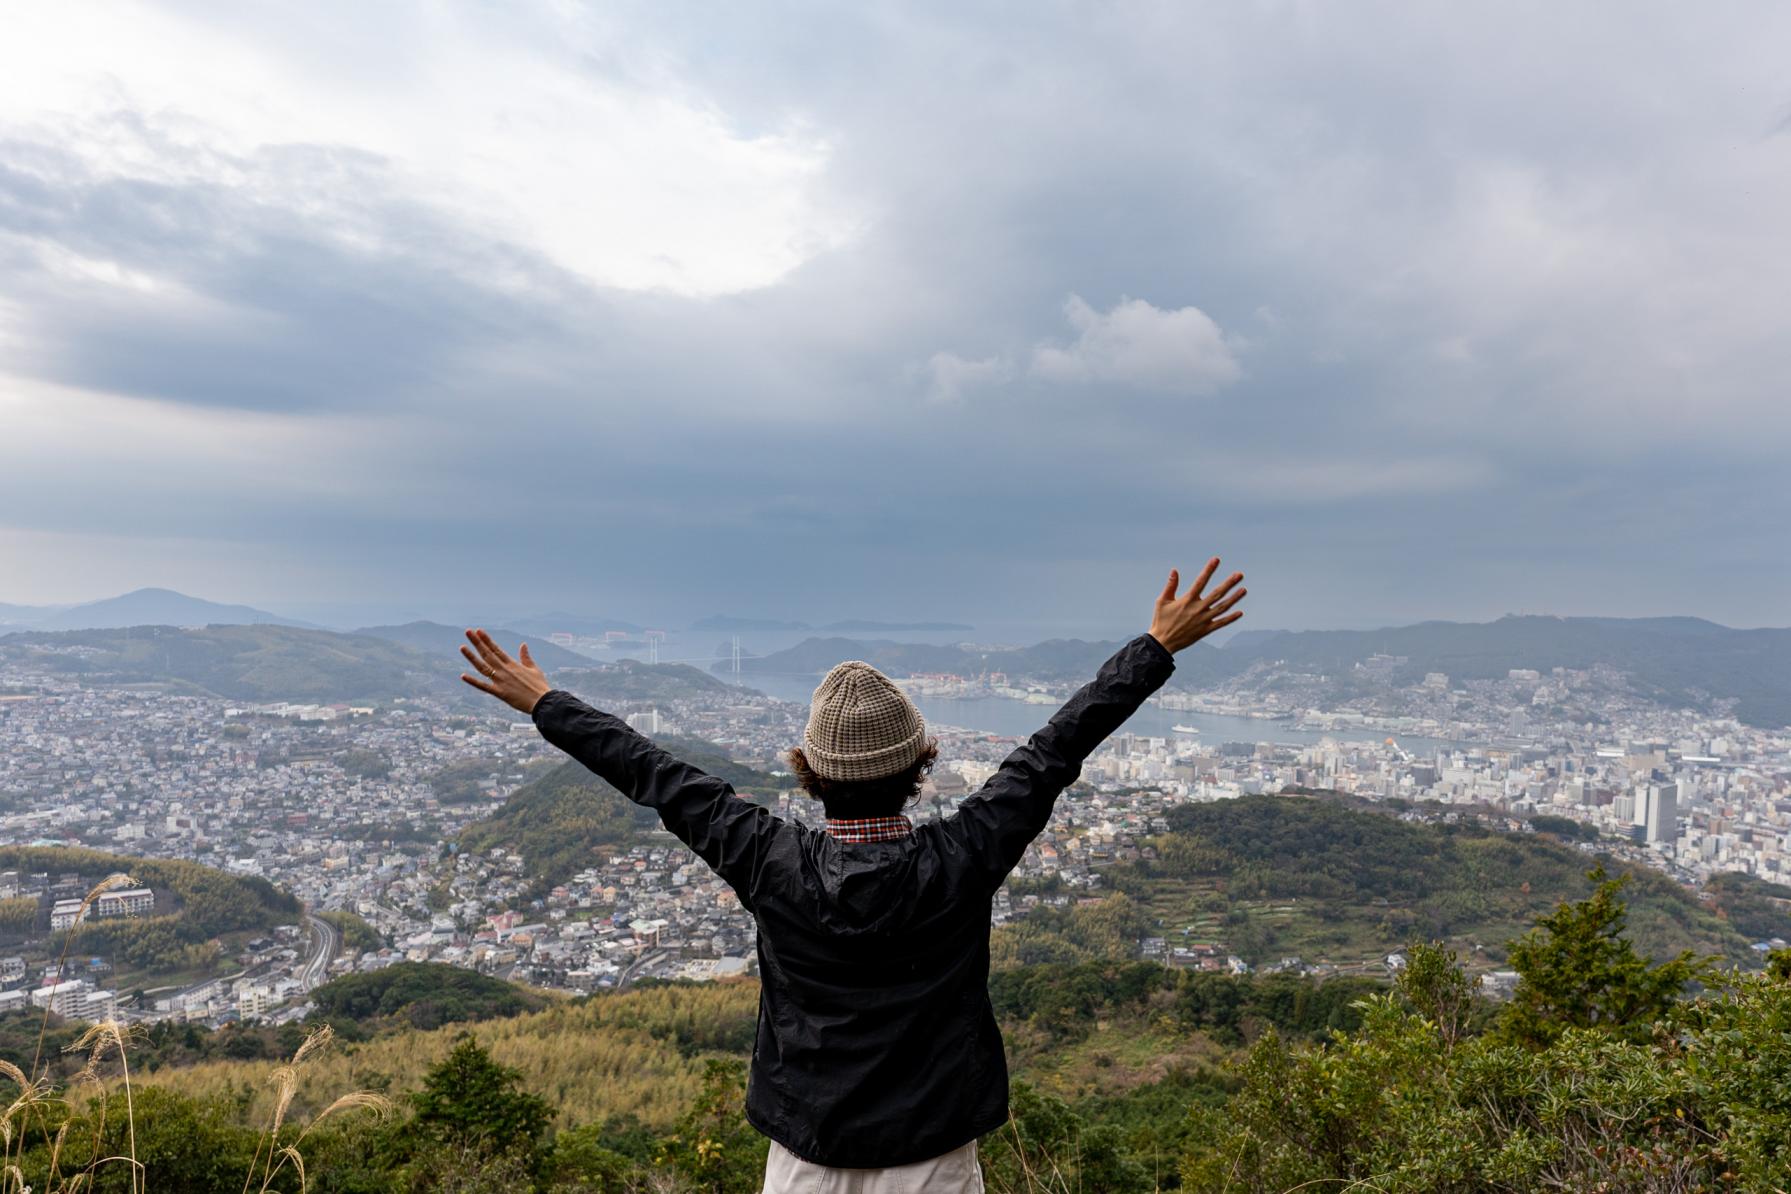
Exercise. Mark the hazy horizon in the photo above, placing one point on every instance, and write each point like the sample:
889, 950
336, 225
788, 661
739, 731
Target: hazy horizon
345, 617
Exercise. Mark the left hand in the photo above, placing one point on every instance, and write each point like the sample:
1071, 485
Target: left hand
519, 683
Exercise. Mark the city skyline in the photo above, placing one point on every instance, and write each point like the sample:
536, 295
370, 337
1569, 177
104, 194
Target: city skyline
898, 313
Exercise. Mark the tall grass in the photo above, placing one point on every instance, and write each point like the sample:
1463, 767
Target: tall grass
42, 1113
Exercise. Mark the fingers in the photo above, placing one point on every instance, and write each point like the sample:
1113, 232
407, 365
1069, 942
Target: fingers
1169, 589
479, 665
490, 645
1206, 574
477, 639
1227, 620
481, 685
488, 650
528, 660
1231, 581
1220, 607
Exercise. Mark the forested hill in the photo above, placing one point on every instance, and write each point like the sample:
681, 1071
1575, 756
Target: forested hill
290, 663
195, 906
421, 995
1276, 876
561, 822
1680, 661
247, 663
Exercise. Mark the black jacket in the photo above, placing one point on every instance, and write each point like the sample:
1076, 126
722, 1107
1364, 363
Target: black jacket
876, 1044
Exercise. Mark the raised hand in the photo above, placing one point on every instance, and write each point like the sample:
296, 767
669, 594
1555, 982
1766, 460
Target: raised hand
519, 683
1183, 621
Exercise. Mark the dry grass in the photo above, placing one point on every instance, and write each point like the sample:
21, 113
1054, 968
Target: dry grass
40, 1113
588, 1060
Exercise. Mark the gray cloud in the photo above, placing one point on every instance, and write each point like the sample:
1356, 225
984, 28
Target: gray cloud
1422, 317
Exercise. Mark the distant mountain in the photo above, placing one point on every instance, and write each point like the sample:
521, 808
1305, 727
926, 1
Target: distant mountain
555, 622
26, 615
248, 663
156, 607
630, 680
1249, 640
566, 820
1678, 661
1055, 659
433, 638
861, 626
726, 622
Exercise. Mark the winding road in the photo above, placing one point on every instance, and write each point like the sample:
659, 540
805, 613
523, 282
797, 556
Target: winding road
328, 941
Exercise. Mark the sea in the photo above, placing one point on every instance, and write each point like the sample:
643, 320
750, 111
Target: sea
1005, 715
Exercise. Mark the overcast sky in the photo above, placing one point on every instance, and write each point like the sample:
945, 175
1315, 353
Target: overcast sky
979, 312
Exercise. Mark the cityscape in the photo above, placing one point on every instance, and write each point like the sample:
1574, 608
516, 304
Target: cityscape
356, 809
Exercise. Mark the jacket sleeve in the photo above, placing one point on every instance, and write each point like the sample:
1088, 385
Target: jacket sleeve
997, 824
730, 834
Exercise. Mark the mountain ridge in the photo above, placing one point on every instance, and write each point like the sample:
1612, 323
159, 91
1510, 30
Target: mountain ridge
1677, 660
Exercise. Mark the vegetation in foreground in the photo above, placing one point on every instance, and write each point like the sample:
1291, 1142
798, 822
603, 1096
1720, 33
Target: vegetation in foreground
1600, 1074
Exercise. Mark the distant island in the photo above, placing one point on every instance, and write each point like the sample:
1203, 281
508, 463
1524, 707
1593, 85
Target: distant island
727, 622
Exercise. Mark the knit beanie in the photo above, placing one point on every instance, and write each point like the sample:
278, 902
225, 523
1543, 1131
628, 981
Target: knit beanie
861, 726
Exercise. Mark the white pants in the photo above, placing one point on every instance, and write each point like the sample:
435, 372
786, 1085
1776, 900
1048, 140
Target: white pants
956, 1172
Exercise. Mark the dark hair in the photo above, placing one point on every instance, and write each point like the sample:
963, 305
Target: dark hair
852, 798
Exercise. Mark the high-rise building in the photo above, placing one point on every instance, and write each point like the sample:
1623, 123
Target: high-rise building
1663, 813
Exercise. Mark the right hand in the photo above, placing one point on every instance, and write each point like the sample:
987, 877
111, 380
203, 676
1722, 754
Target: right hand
1183, 621
519, 683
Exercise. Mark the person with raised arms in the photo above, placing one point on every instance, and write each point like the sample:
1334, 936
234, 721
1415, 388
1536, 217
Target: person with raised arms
877, 1062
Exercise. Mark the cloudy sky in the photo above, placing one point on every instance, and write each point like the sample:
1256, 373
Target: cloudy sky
982, 312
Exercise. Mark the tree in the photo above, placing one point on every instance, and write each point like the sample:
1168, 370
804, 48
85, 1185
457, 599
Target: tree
1577, 970
470, 1100
1046, 1146
713, 1147
1436, 987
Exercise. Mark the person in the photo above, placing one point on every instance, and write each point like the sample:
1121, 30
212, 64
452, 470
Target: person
876, 1061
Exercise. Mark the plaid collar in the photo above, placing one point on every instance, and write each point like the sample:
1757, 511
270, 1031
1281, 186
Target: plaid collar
869, 829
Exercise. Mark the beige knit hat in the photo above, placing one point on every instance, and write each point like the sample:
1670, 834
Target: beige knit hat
861, 726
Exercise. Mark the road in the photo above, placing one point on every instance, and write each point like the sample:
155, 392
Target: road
328, 942
646, 956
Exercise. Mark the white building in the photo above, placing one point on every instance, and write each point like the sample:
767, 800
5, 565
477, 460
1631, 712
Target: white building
75, 1000
134, 901
66, 914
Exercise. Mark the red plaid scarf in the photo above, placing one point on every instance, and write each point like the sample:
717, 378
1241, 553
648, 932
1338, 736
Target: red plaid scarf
870, 829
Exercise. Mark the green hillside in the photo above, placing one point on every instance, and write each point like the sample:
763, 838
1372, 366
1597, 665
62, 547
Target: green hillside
247, 663
421, 995
196, 907
290, 663
563, 821
1758, 910
1269, 877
